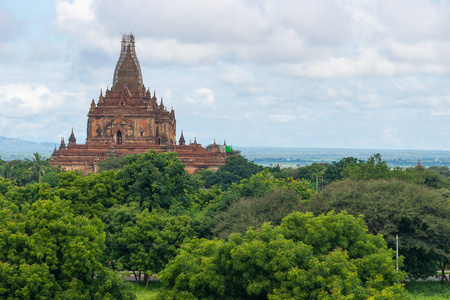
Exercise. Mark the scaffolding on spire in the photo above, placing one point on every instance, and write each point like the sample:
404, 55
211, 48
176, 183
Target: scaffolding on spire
127, 41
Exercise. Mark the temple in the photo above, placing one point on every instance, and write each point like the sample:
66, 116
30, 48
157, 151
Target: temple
127, 119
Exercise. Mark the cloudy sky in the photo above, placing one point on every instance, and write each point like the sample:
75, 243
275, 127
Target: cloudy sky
300, 73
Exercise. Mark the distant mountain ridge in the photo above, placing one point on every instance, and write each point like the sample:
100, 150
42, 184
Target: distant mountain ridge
13, 148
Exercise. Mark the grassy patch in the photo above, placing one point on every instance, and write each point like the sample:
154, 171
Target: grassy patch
149, 293
428, 290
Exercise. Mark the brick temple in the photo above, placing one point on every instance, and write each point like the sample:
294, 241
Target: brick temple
127, 119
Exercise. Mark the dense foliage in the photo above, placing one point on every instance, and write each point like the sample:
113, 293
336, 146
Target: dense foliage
48, 253
65, 235
236, 168
156, 181
306, 257
419, 215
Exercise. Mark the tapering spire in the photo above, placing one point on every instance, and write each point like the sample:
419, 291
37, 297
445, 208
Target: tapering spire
100, 98
62, 146
181, 141
72, 140
128, 70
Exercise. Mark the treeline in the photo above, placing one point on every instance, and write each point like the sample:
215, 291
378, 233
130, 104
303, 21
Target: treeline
243, 232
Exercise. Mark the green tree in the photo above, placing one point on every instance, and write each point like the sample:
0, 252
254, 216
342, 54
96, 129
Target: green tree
255, 211
235, 169
349, 167
22, 172
419, 215
309, 173
39, 163
252, 189
51, 178
443, 170
5, 186
421, 175
337, 170
91, 194
156, 180
276, 262
259, 184
373, 168
113, 163
148, 244
7, 171
48, 253
28, 194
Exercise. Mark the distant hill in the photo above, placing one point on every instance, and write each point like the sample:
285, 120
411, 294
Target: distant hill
11, 148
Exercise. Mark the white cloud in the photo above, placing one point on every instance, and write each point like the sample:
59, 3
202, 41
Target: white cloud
37, 111
202, 98
281, 118
20, 100
172, 51
326, 39
237, 75
345, 105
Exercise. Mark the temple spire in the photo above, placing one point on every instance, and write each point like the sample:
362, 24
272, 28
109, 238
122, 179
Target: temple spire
128, 70
72, 140
181, 141
62, 146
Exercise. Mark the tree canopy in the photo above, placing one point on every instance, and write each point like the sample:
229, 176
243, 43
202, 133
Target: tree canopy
48, 253
156, 180
289, 261
417, 213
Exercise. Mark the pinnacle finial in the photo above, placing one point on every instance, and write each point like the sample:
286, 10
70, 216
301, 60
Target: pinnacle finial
181, 141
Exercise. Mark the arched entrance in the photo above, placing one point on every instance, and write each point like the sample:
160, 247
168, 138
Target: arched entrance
119, 138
